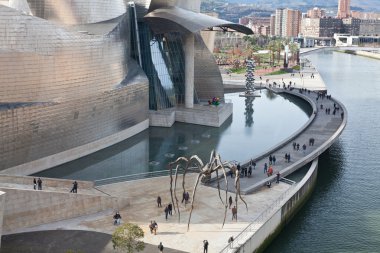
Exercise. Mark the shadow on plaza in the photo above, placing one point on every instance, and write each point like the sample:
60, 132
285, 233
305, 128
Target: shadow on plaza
62, 241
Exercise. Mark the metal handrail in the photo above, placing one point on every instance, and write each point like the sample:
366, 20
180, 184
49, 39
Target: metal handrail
159, 173
258, 222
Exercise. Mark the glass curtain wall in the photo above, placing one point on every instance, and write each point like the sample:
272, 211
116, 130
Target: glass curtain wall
162, 59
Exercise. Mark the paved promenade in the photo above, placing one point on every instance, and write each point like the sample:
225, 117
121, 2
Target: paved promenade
208, 210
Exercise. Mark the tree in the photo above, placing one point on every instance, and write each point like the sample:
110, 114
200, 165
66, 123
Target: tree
272, 49
126, 238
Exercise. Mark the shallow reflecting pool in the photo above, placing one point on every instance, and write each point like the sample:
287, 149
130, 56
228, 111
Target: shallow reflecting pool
256, 126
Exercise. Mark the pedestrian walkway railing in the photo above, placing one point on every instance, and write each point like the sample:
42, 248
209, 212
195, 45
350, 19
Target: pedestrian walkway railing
138, 176
258, 223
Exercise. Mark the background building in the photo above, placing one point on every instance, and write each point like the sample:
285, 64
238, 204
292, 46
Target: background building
344, 9
365, 15
316, 13
321, 27
287, 23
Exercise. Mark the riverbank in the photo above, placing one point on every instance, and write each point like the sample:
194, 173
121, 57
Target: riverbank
373, 55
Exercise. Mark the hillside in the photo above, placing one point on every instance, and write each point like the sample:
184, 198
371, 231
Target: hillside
366, 5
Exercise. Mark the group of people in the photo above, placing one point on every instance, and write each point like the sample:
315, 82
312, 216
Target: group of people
287, 157
37, 184
272, 159
205, 245
168, 210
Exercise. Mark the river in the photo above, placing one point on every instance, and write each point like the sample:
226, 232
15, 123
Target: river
343, 213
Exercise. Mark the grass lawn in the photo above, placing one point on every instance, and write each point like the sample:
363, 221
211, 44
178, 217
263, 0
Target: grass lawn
278, 72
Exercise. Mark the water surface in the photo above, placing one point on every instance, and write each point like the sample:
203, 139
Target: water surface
255, 127
343, 214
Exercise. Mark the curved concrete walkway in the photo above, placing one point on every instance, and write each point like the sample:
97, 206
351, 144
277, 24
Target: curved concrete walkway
322, 127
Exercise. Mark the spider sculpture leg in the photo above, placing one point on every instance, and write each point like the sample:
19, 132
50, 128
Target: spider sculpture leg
175, 193
225, 203
193, 160
179, 159
237, 190
192, 198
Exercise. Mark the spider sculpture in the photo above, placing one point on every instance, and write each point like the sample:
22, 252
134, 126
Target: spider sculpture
205, 170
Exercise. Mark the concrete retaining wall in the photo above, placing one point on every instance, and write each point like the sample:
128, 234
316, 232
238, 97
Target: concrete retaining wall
204, 115
282, 214
2, 204
27, 208
47, 182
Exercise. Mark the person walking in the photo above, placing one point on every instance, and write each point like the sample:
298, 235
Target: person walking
158, 201
170, 207
265, 168
117, 218
161, 247
39, 182
274, 160
75, 187
34, 184
278, 177
230, 201
270, 159
234, 213
166, 212
205, 246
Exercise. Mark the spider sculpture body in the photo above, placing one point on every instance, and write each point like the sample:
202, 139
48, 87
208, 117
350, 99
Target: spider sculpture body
205, 170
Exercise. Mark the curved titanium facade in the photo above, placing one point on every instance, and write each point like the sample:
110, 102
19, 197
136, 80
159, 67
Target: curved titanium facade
70, 80
61, 89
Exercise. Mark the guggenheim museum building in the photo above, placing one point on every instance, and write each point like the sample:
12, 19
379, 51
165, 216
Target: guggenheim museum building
77, 76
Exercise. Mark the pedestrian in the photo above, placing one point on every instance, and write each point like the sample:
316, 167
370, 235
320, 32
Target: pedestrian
231, 239
75, 187
298, 146
270, 171
274, 160
342, 115
159, 201
245, 171
234, 213
269, 184
205, 246
34, 184
278, 177
151, 227
230, 201
265, 168
170, 206
294, 145
166, 212
154, 227
161, 247
288, 157
117, 218
304, 148
187, 197
250, 171
39, 182
183, 197
254, 165
270, 159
